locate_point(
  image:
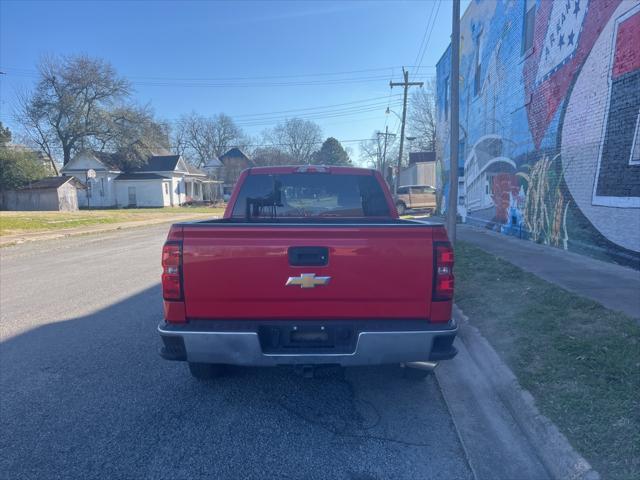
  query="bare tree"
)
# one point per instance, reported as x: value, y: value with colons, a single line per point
x: 422, y: 117
x: 133, y: 134
x: 372, y: 151
x: 69, y: 103
x: 298, y: 138
x: 202, y: 138
x: 179, y: 141
x: 269, y: 156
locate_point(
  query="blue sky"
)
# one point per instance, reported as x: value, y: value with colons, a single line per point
x: 246, y: 59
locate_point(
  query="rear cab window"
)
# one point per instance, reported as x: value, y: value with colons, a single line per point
x: 310, y: 195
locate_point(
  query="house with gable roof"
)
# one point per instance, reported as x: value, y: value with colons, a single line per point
x: 163, y: 181
x: 233, y: 162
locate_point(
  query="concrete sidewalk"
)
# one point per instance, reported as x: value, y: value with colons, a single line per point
x: 613, y: 286
x: 489, y: 407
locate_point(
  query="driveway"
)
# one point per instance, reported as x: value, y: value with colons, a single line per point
x: 84, y: 393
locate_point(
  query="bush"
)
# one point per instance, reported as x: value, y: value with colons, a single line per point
x: 19, y: 167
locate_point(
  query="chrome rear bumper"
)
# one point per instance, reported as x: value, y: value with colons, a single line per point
x: 244, y: 346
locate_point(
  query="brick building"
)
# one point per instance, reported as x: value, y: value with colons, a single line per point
x: 549, y: 122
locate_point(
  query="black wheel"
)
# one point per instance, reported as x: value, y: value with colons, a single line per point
x: 412, y: 373
x: 205, y: 371
x: 401, y: 208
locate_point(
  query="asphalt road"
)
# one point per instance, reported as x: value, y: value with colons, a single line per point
x: 84, y: 394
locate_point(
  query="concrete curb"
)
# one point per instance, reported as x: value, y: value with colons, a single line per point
x: 551, y: 447
x: 62, y: 233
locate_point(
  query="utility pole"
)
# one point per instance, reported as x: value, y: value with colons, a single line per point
x: 452, y: 210
x: 384, y: 149
x: 406, y: 84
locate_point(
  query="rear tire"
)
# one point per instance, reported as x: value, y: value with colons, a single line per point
x: 401, y: 207
x: 205, y: 371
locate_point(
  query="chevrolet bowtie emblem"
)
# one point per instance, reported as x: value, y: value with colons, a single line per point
x: 307, y: 280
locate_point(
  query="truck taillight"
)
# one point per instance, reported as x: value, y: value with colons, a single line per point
x: 172, y: 271
x: 443, y: 278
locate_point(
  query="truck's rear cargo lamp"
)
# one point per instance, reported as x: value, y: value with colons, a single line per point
x: 171, y: 271
x: 444, y: 280
x: 312, y: 169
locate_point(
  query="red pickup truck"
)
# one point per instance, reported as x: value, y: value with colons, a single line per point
x: 310, y: 265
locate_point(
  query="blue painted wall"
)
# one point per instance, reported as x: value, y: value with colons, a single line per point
x: 549, y: 129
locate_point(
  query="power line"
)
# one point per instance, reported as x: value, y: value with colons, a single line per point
x: 269, y: 77
x: 326, y: 111
x: 235, y: 84
x: 265, y: 145
x: 322, y: 107
x: 435, y: 17
x: 426, y: 30
x: 249, y: 81
x: 343, y: 81
x: 270, y: 121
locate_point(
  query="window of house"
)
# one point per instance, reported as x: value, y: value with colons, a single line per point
x: 102, y: 187
x: 166, y: 188
x: 529, y: 22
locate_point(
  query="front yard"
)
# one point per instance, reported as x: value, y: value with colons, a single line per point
x: 17, y: 223
x: 579, y: 360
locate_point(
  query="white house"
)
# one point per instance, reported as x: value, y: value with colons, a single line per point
x: 165, y: 180
x: 213, y: 167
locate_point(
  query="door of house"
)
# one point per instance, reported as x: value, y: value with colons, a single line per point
x: 132, y: 197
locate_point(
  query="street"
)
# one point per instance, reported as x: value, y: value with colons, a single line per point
x: 86, y: 395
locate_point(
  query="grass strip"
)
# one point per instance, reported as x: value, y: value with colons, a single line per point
x: 578, y: 359
x: 25, y: 222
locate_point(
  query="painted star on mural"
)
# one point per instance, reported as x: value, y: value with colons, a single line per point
x: 561, y: 37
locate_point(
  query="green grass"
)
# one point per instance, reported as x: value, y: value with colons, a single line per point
x: 579, y: 360
x: 12, y: 223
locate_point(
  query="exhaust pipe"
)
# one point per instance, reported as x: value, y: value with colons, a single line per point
x: 428, y: 366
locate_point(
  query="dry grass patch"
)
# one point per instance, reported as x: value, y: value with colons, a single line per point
x: 15, y: 223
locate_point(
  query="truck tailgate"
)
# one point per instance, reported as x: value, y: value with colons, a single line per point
x: 241, y: 272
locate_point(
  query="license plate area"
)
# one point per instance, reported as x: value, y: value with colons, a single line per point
x: 310, y: 337
x: 300, y: 339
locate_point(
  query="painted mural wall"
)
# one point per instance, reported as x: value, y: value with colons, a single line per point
x: 549, y: 122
